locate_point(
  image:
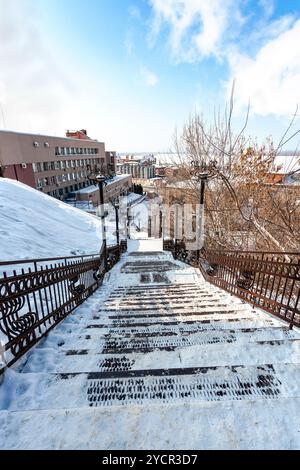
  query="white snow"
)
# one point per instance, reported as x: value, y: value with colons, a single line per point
x: 205, y: 426
x: 58, y: 416
x: 88, y: 190
x: 94, y: 187
x: 145, y: 245
x: 34, y: 225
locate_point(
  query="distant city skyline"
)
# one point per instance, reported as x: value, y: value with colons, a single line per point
x: 132, y: 71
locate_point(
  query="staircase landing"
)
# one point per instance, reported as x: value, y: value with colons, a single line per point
x: 157, y: 358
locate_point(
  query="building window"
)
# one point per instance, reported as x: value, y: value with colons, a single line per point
x: 36, y: 144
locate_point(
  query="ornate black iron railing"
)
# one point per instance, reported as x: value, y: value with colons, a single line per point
x: 36, y: 295
x: 268, y: 280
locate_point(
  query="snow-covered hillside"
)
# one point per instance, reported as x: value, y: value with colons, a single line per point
x: 34, y: 225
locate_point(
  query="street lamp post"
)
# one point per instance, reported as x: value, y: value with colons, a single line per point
x: 202, y: 172
x: 203, y: 180
x: 100, y: 180
x: 116, y: 204
x: 117, y: 222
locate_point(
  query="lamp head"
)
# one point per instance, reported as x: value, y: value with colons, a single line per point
x: 97, y: 178
x: 100, y: 178
x: 203, y: 170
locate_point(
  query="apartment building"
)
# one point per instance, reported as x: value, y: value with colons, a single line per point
x: 138, y: 170
x: 139, y: 167
x: 111, y: 159
x: 119, y: 185
x: 55, y: 165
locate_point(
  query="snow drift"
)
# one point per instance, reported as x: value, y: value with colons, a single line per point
x: 34, y: 225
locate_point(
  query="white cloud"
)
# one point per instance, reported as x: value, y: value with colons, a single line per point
x: 197, y: 27
x: 150, y: 78
x: 268, y: 6
x: 135, y: 12
x: 46, y: 88
x: 30, y: 79
x: 271, y: 79
x: 129, y: 44
x: 268, y: 76
x: 267, y: 30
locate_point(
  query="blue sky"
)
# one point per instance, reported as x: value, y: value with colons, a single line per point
x: 130, y: 71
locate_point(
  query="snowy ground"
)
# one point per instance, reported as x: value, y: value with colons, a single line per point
x: 232, y: 425
x: 34, y: 225
x: 41, y: 411
x: 131, y: 199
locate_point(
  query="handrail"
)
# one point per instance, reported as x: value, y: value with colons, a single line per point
x: 283, y: 253
x: 268, y: 280
x: 43, y: 260
x: 38, y: 297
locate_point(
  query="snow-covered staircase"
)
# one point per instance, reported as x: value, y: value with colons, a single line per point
x: 156, y: 341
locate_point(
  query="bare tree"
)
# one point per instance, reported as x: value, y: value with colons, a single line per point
x: 243, y: 211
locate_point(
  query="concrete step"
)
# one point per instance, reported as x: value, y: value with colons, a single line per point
x: 179, y: 332
x: 163, y: 296
x: 230, y: 316
x: 165, y: 307
x: 139, y: 387
x: 163, y: 340
x: 165, y: 312
x: 132, y: 356
x: 211, y: 312
x: 240, y: 425
x: 132, y: 267
x: 183, y: 325
x: 170, y: 303
x: 155, y: 288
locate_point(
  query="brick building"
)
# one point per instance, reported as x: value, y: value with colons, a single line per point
x: 55, y: 165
